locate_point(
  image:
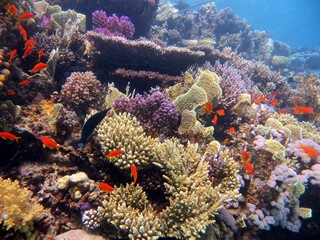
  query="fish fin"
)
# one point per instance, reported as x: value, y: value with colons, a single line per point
x: 43, y: 145
x: 17, y: 139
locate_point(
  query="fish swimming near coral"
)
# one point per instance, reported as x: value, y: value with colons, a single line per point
x: 10, y: 136
x: 50, y: 143
x: 26, y: 16
x: 134, y: 173
x: 313, y: 153
x: 115, y: 153
x: 12, y: 55
x: 24, y: 82
x: 106, y: 187
x: 38, y: 67
x: 89, y: 126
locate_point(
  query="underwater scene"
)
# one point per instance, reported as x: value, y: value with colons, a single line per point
x: 154, y: 119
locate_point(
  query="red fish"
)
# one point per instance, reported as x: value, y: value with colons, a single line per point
x: 207, y: 108
x: 30, y: 43
x: 10, y: 136
x: 134, y: 173
x: 282, y: 111
x: 11, y: 92
x: 106, y: 187
x: 226, y: 141
x: 23, y: 32
x: 249, y: 168
x: 11, y: 9
x: 302, y: 110
x: 215, y: 120
x: 38, y: 67
x: 24, y: 82
x: 50, y: 143
x: 221, y: 112
x: 40, y: 54
x: 115, y: 153
x: 27, y: 52
x: 12, y: 55
x: 310, y: 151
x: 245, y: 156
x: 231, y: 130
x: 260, y: 99
x: 274, y: 102
x: 26, y: 16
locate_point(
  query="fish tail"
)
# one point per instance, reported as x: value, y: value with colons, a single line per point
x: 17, y: 139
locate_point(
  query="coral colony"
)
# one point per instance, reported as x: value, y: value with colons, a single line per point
x: 134, y: 120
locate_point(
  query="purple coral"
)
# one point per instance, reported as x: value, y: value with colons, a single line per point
x: 155, y: 112
x: 82, y: 90
x: 112, y: 26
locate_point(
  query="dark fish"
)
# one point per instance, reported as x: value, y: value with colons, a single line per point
x: 90, y: 125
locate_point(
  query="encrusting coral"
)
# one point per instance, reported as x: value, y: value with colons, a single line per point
x: 18, y: 210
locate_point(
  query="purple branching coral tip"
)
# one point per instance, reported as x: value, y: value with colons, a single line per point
x: 154, y: 112
x: 112, y: 26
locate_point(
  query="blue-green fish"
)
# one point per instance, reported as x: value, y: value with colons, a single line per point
x: 90, y: 125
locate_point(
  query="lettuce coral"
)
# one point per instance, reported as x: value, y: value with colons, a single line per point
x: 18, y: 210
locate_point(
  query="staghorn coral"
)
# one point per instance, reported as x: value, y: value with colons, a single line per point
x: 122, y: 131
x: 82, y: 90
x: 113, y: 25
x: 18, y: 210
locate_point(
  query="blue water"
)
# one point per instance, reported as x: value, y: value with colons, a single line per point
x: 296, y: 22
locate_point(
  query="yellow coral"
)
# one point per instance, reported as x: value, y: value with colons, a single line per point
x: 121, y: 131
x: 17, y: 208
x: 277, y: 150
x: 209, y: 82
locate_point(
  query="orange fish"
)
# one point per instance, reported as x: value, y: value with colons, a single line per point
x: 27, y: 52
x: 106, y: 187
x: 310, y: 151
x: 274, y: 93
x: 245, y: 156
x: 40, y: 54
x: 10, y: 136
x: 231, y: 130
x: 12, y: 55
x: 11, y: 9
x: 134, y: 173
x: 49, y: 143
x: 23, y: 32
x: 11, y: 92
x: 302, y: 110
x: 274, y: 102
x: 282, y: 111
x: 207, y: 108
x: 215, y: 120
x: 220, y: 112
x: 115, y: 153
x: 226, y: 141
x: 24, y: 82
x: 26, y: 16
x: 249, y: 168
x: 30, y: 43
x: 38, y: 67
x: 260, y: 99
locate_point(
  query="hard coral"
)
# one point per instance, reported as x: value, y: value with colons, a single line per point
x: 18, y: 210
x: 82, y: 90
x: 112, y: 26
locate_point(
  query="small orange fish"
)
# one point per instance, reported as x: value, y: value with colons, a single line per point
x: 38, y: 67
x: 30, y: 43
x: 245, y: 156
x: 134, y: 173
x: 274, y: 93
x: 310, y: 151
x: 11, y: 92
x: 24, y: 82
x: 12, y: 55
x: 106, y: 187
x: 221, y: 112
x: 11, y: 9
x: 40, y: 54
x: 274, y: 102
x: 10, y: 136
x: 282, y: 111
x: 23, y: 32
x: 215, y: 120
x: 26, y: 16
x: 231, y: 130
x: 115, y: 153
x: 302, y: 110
x: 207, y: 108
x: 226, y: 141
x: 260, y: 99
x: 249, y: 168
x: 27, y: 52
x: 50, y: 143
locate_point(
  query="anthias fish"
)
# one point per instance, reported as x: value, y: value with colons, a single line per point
x: 90, y: 125
x: 134, y: 173
x: 49, y: 143
x: 38, y: 67
x: 10, y: 136
x: 106, y: 187
x: 115, y: 153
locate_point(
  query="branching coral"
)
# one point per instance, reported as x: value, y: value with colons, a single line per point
x: 18, y: 210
